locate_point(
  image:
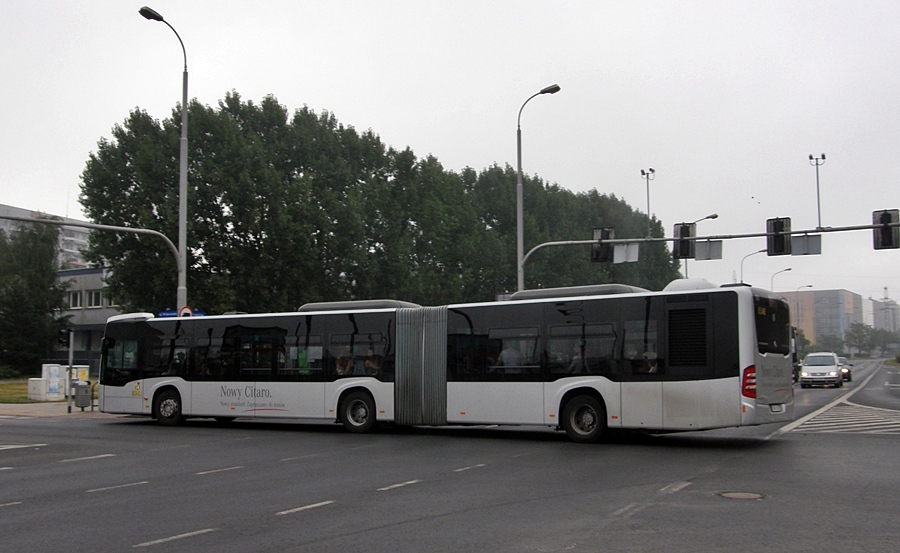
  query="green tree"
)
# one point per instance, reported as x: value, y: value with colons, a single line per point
x: 290, y: 208
x: 882, y: 338
x: 830, y: 342
x: 802, y: 344
x: 859, y: 336
x: 30, y: 296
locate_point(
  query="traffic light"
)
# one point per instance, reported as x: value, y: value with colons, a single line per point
x: 886, y: 237
x: 602, y: 252
x: 778, y: 241
x: 683, y: 248
x: 62, y: 337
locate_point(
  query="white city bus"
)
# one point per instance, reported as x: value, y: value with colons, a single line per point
x: 581, y: 359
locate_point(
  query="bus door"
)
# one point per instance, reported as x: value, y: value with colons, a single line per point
x: 279, y: 367
x: 641, y: 367
x: 494, y: 367
x: 120, y: 377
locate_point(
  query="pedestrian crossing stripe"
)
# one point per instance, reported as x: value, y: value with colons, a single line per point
x: 853, y: 419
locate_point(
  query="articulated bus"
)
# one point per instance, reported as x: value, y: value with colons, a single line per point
x: 583, y: 360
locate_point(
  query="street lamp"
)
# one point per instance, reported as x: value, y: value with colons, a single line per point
x: 817, y: 161
x: 520, y: 215
x: 745, y: 257
x: 181, y: 293
x: 648, y: 176
x: 711, y: 216
x: 772, y: 280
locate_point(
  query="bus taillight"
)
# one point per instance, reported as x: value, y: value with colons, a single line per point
x: 748, y: 382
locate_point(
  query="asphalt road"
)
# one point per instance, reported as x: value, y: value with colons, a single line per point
x: 123, y: 483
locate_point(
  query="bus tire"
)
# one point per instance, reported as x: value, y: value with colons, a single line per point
x: 167, y: 408
x: 584, y: 419
x: 358, y: 412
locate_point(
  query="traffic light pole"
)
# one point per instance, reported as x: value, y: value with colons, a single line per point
x: 69, y: 223
x: 704, y: 238
x: 69, y: 377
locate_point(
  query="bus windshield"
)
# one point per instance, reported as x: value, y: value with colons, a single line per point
x: 773, y: 325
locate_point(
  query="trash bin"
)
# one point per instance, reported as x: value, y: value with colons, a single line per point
x: 82, y: 394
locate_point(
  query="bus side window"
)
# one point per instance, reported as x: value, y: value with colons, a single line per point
x: 581, y: 349
x: 642, y: 357
x: 514, y: 352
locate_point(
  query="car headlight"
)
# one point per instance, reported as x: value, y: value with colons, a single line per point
x: 804, y: 373
x: 833, y: 373
x: 845, y: 370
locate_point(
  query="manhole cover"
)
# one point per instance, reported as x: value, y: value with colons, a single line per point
x: 742, y: 495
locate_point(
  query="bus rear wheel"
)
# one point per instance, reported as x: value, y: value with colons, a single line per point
x: 584, y: 419
x: 358, y: 412
x: 167, y: 408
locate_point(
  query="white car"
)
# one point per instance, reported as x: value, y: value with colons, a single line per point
x: 821, y: 369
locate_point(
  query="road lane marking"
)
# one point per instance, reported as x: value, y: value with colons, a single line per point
x: 10, y: 504
x: 178, y: 537
x: 117, y: 487
x: 217, y: 470
x: 395, y: 486
x: 304, y: 508
x: 674, y: 487
x: 4, y: 447
x: 842, y: 398
x: 852, y: 418
x: 629, y: 510
x: 301, y: 457
x: 470, y: 468
x: 88, y: 458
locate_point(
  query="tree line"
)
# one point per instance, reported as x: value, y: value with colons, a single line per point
x: 31, y: 297
x: 288, y: 208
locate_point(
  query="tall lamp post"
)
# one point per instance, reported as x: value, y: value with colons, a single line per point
x: 648, y: 176
x: 181, y: 295
x: 772, y: 280
x: 520, y: 210
x: 710, y: 216
x: 817, y: 161
x: 745, y: 257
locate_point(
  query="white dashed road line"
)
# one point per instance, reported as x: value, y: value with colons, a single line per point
x: 395, y: 486
x: 304, y: 508
x: 118, y: 487
x: 217, y: 470
x: 469, y: 468
x: 178, y: 537
x: 674, y: 487
x: 88, y: 458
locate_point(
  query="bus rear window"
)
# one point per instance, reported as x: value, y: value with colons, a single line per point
x: 773, y: 325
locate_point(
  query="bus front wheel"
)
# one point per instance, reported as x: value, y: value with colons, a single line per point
x: 167, y: 408
x: 358, y: 412
x: 584, y: 419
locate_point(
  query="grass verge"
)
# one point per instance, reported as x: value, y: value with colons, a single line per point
x: 14, y: 391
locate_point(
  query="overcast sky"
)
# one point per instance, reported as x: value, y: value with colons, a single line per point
x: 725, y: 100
